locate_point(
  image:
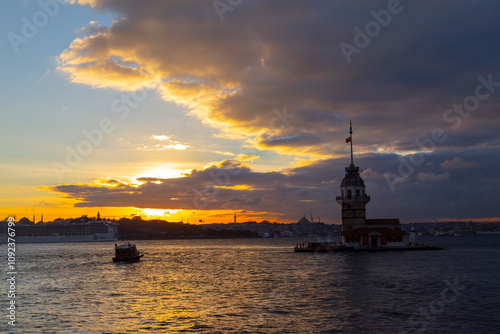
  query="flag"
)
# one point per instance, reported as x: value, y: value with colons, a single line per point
x: 348, y: 140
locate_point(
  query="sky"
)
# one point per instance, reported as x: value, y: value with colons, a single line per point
x: 196, y: 110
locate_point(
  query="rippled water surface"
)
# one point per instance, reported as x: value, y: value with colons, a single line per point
x: 256, y: 286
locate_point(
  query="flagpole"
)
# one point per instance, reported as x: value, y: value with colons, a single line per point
x: 350, y: 132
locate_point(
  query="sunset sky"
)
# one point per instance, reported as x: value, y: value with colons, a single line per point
x: 199, y: 109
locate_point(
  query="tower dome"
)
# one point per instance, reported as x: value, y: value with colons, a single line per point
x: 352, y: 177
x: 352, y: 186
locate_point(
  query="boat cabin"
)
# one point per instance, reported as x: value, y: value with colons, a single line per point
x: 126, y: 253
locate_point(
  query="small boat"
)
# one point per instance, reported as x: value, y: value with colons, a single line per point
x: 127, y: 253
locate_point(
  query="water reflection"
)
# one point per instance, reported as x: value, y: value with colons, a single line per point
x: 227, y: 286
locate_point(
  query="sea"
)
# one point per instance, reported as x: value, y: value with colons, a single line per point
x: 253, y: 286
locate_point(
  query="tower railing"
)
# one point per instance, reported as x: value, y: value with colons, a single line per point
x: 352, y: 197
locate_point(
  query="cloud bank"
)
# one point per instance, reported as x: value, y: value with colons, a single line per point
x: 429, y: 194
x: 275, y: 75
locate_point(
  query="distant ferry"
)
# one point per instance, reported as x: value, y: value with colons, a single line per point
x: 64, y: 232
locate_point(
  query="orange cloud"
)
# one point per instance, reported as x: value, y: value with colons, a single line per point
x: 91, y: 62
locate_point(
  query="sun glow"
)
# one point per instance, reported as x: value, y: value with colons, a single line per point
x: 159, y: 213
x: 154, y: 212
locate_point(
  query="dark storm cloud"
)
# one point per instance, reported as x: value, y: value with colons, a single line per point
x: 266, y: 55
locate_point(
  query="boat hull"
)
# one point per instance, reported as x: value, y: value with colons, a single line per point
x: 63, y: 232
x: 66, y: 238
x: 129, y: 259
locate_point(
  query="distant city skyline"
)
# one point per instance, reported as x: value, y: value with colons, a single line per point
x: 189, y: 109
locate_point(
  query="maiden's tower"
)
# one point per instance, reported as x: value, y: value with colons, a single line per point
x: 357, y: 230
x: 359, y: 233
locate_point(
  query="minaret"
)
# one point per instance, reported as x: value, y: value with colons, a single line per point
x: 352, y: 197
x: 98, y: 216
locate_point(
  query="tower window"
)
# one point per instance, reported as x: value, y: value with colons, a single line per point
x: 349, y: 194
x: 357, y: 192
